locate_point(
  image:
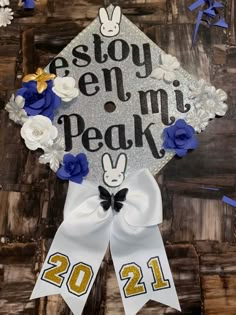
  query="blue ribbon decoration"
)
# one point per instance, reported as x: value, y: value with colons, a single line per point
x: 229, y: 201
x: 29, y: 4
x: 211, y: 12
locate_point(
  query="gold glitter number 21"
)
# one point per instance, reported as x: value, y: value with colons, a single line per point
x: 133, y: 272
x: 133, y: 286
x: 79, y: 278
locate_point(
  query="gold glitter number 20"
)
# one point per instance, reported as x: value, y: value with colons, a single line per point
x: 133, y: 272
x: 79, y: 278
x: 60, y: 265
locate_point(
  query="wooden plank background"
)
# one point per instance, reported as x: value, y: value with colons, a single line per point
x: 198, y: 229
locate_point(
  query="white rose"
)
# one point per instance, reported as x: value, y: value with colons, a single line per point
x: 65, y: 88
x: 38, y: 132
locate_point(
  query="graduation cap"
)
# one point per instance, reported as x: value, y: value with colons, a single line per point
x: 130, y: 91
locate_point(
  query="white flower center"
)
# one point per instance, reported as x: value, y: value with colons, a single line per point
x: 66, y: 86
x: 37, y: 132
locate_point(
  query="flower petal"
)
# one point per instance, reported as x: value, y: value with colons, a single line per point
x: 169, y: 144
x: 41, y: 86
x: 181, y: 152
x: 170, y: 61
x: 157, y: 73
x: 63, y: 174
x: 191, y: 144
x: 39, y: 71
x: 20, y: 101
x: 68, y: 158
x: 222, y: 95
x: 169, y: 76
x: 77, y: 179
x: 170, y: 131
x: 29, y: 77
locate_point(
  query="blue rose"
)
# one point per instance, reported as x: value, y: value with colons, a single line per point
x: 36, y: 103
x: 180, y: 137
x: 74, y: 168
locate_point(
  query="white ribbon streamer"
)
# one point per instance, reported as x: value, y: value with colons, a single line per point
x: 137, y: 249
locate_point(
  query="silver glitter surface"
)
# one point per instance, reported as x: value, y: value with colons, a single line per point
x: 91, y: 108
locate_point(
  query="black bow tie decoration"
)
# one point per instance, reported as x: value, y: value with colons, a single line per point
x: 111, y: 200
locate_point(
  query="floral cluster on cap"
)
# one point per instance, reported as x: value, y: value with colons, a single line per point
x: 207, y: 102
x: 34, y: 107
x: 42, y: 93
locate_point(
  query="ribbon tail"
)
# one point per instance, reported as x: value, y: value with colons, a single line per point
x: 171, y: 298
x: 72, y: 263
x: 76, y: 253
x: 72, y: 303
x: 134, y: 308
x: 40, y: 291
x: 141, y: 266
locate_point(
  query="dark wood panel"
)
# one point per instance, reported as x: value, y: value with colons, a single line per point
x: 17, y: 278
x: 218, y: 277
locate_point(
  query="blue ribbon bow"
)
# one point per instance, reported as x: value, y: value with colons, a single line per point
x: 211, y: 12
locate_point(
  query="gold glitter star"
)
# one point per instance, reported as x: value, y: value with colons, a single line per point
x: 41, y: 77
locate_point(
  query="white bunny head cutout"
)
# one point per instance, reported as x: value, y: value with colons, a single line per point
x: 110, y: 27
x: 114, y: 176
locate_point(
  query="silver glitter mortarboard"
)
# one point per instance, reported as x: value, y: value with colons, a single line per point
x: 89, y: 58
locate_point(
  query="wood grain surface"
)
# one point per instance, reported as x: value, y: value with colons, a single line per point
x: 198, y: 228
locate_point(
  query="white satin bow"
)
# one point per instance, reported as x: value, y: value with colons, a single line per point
x: 135, y: 241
